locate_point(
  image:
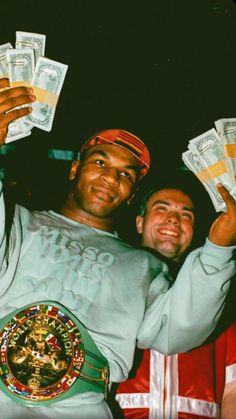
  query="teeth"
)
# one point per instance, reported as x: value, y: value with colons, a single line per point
x: 169, y: 233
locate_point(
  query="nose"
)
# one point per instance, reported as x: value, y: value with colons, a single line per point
x: 110, y: 175
x: 173, y: 218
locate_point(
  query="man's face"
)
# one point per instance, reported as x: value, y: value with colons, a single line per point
x: 103, y: 180
x: 168, y: 223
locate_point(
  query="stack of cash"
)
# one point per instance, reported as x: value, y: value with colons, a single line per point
x: 25, y: 65
x: 212, y: 158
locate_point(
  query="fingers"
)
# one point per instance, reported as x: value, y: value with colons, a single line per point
x: 14, y: 92
x: 10, y: 98
x: 11, y: 116
x: 226, y: 196
x: 12, y: 102
x: 13, y: 97
x: 4, y: 82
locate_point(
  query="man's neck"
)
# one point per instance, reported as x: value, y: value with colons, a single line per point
x: 173, y: 265
x: 105, y: 224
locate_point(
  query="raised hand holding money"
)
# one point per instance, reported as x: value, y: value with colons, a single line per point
x: 11, y: 98
x: 46, y: 78
x: 223, y: 230
x: 207, y: 160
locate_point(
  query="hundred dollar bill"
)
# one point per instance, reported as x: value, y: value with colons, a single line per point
x: 16, y: 130
x: 226, y: 129
x: 3, y: 60
x: 47, y: 82
x: 192, y: 161
x: 210, y: 150
x: 20, y: 66
x: 35, y: 41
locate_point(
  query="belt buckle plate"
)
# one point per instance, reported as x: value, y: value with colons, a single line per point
x: 41, y: 353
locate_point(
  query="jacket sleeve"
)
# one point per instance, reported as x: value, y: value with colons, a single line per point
x: 183, y: 316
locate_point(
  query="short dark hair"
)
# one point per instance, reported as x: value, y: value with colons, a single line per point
x: 187, y: 183
x: 148, y: 195
x: 143, y: 205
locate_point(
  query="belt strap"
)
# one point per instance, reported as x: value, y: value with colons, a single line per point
x: 47, y: 354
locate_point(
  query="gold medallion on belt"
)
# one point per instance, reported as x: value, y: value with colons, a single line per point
x: 41, y: 353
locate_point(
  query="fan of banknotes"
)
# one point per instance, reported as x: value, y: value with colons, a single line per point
x: 26, y: 66
x: 212, y: 158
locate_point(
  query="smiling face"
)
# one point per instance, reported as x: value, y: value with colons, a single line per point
x: 103, y: 180
x: 167, y: 225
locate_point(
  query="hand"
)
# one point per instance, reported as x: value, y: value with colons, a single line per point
x: 9, y: 99
x: 223, y: 230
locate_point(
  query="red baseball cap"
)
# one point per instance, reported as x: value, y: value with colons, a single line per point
x: 123, y: 139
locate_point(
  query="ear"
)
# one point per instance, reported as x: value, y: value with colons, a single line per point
x: 139, y: 224
x: 74, y: 169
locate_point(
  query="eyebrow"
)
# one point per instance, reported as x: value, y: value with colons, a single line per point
x: 102, y: 153
x: 159, y: 201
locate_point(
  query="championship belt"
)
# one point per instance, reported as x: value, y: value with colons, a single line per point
x: 46, y: 355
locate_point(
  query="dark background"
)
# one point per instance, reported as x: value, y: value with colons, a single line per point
x: 164, y: 70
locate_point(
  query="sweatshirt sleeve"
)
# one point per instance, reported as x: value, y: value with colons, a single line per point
x: 183, y: 316
x: 2, y: 229
x: 10, y: 245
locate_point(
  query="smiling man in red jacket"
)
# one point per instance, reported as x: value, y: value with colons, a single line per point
x: 196, y: 384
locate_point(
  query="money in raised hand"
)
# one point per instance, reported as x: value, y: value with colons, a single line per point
x: 206, y: 157
x: 194, y: 164
x: 16, y: 130
x: 35, y: 41
x: 20, y: 69
x: 11, y: 101
x: 3, y: 60
x: 47, y: 82
x: 226, y: 129
x: 20, y: 66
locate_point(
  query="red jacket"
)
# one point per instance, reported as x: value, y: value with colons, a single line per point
x: 181, y: 386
